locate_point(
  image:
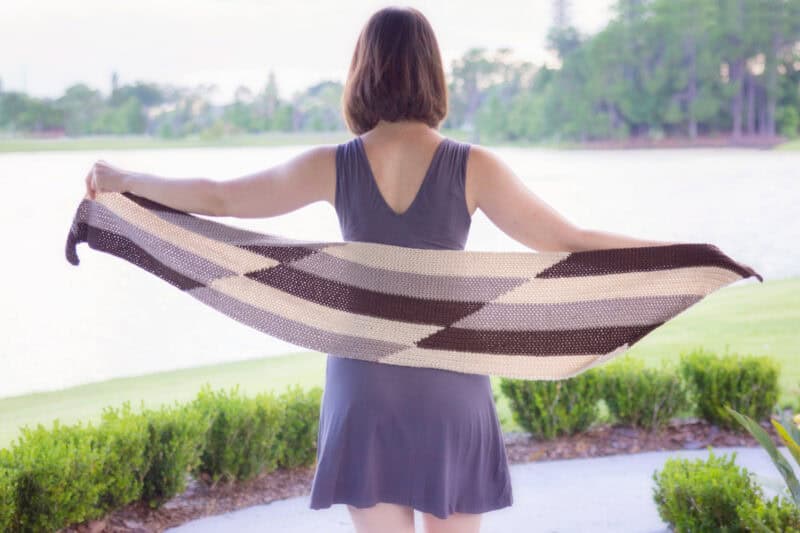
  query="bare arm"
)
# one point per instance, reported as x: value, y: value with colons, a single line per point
x: 528, y: 219
x: 303, y: 179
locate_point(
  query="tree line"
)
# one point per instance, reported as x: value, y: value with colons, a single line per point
x: 659, y: 68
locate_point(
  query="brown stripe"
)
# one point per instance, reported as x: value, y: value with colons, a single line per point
x: 120, y: 246
x: 345, y: 297
x: 639, y: 259
x: 320, y: 316
x: 284, y: 254
x: 150, y: 204
x: 548, y: 342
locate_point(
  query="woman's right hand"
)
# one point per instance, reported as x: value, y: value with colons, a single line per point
x: 104, y: 177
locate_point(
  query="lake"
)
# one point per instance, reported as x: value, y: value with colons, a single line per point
x: 64, y: 325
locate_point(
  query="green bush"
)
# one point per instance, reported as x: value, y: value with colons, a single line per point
x: 122, y: 436
x: 717, y: 495
x: 242, y: 434
x: 642, y: 397
x: 58, y: 477
x: 703, y: 495
x: 547, y: 409
x: 297, y: 436
x: 53, y: 478
x: 7, y: 491
x: 175, y: 438
x: 777, y: 514
x: 748, y: 384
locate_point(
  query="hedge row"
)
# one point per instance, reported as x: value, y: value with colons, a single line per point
x: 52, y: 478
x: 645, y: 397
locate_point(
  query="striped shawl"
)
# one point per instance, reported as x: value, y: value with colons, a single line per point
x: 526, y: 315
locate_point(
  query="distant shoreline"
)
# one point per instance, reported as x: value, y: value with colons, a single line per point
x: 761, y: 142
x: 268, y: 139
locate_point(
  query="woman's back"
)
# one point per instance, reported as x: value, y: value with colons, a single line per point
x: 424, y: 437
x: 437, y: 217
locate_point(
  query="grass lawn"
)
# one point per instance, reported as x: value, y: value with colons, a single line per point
x: 759, y: 319
x: 270, y: 138
x: 789, y: 145
x: 147, y: 142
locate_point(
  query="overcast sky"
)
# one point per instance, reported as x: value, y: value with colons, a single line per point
x: 47, y: 45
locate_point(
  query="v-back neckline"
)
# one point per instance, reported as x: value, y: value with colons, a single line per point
x: 425, y: 178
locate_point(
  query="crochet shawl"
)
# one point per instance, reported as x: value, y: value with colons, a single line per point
x: 525, y: 315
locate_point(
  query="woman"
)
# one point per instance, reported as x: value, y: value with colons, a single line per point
x: 393, y: 438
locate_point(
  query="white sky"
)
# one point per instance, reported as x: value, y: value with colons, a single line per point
x: 47, y: 45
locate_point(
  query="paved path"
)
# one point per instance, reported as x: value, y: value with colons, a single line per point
x: 605, y: 494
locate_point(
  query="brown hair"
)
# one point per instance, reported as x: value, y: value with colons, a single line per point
x: 396, y: 72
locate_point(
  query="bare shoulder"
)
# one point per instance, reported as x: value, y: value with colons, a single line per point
x: 483, y: 166
x: 315, y: 167
x: 482, y: 159
x: 321, y: 153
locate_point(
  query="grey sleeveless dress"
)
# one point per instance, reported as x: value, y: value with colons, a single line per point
x: 423, y: 437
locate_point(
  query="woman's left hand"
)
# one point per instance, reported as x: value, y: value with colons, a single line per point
x: 104, y: 177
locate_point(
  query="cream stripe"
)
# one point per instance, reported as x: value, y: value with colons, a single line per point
x: 236, y: 259
x: 679, y: 281
x: 440, y: 262
x: 549, y: 367
x: 320, y: 316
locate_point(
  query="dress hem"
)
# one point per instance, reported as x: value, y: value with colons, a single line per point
x: 501, y: 504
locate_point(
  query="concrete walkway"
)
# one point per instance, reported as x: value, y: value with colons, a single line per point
x: 606, y: 494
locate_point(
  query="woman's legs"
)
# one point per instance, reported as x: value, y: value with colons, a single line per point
x: 383, y: 518
x: 454, y: 523
x: 393, y: 518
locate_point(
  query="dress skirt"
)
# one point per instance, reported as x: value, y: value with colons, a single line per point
x: 423, y: 437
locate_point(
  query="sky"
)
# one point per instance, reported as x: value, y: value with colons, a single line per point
x: 48, y: 45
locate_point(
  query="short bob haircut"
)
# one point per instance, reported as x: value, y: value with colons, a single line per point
x: 396, y: 72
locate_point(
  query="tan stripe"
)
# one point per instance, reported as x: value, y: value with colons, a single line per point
x: 548, y: 367
x: 446, y: 262
x: 320, y: 316
x: 680, y: 281
x: 225, y: 255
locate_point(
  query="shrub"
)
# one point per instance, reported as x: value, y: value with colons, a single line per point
x: 241, y: 438
x: 122, y: 437
x: 698, y: 495
x: 642, y: 397
x: 547, y: 409
x: 7, y: 491
x: 175, y: 438
x: 777, y: 514
x: 748, y: 384
x: 53, y: 478
x: 58, y: 477
x: 297, y: 435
